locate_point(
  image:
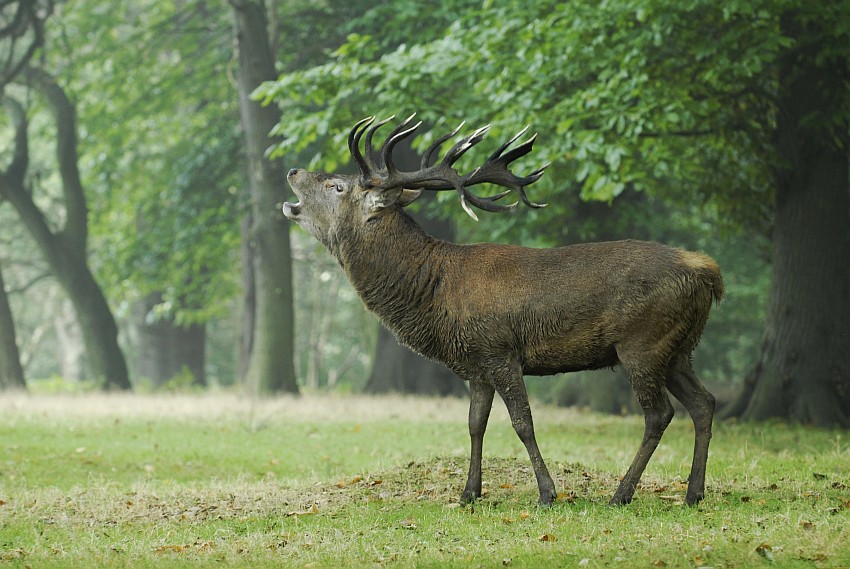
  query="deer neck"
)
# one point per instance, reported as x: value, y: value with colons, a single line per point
x: 395, y: 268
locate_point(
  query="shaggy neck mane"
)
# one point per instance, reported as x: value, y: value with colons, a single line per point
x: 392, y: 264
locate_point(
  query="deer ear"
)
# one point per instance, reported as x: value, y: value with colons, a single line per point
x: 408, y: 197
x: 378, y: 199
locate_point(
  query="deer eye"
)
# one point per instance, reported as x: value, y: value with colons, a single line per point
x: 335, y: 187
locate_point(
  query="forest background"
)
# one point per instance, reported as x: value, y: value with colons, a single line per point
x: 144, y: 144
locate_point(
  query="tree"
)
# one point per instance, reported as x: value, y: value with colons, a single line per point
x: 11, y: 372
x: 801, y: 373
x: 271, y: 366
x: 692, y: 101
x: 65, y: 248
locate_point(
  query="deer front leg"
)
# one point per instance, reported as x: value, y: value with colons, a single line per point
x: 515, y: 397
x: 480, y: 404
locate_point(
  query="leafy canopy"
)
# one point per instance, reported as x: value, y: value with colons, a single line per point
x: 677, y: 99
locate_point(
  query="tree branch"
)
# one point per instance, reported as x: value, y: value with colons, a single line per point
x: 20, y: 156
x: 76, y: 224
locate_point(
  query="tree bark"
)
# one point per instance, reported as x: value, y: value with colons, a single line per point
x: 65, y: 249
x: 70, y: 339
x: 11, y: 371
x: 165, y: 350
x: 803, y: 373
x: 271, y: 366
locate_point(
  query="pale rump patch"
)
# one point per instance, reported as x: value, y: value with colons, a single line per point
x: 698, y: 261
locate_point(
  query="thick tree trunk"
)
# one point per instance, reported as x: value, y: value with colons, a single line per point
x: 167, y: 351
x: 249, y: 299
x: 11, y: 371
x: 271, y: 367
x: 100, y: 332
x: 803, y: 373
x: 70, y: 338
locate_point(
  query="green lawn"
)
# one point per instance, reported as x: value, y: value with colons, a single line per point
x: 225, y: 481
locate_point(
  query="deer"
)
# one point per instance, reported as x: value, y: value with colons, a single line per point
x: 494, y: 313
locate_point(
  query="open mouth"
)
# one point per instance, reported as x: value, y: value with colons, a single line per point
x: 291, y: 210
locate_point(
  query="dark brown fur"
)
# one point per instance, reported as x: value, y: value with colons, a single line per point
x: 493, y: 313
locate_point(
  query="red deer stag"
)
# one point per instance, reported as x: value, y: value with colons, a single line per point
x: 493, y: 313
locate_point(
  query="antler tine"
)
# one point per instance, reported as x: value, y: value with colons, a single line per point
x: 369, y: 152
x: 397, y: 136
x: 459, y: 149
x: 520, y: 150
x: 502, y: 148
x: 395, y: 131
x: 426, y: 158
x: 528, y: 202
x: 486, y: 204
x: 354, y: 146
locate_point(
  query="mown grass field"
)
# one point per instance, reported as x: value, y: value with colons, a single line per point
x: 226, y: 481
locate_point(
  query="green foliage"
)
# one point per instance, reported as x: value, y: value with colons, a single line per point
x: 679, y: 100
x: 161, y: 147
x: 95, y: 481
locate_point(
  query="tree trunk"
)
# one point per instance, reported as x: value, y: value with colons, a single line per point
x: 11, y: 371
x: 100, y: 332
x: 167, y: 351
x: 249, y: 299
x: 72, y: 349
x: 803, y: 373
x: 271, y: 367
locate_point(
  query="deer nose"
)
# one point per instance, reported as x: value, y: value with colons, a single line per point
x: 292, y: 172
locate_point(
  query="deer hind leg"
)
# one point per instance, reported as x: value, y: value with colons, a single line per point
x: 658, y: 412
x: 684, y: 385
x: 480, y: 404
x: 511, y: 389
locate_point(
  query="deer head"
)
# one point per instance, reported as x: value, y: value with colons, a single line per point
x: 327, y: 202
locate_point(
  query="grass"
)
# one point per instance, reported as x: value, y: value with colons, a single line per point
x: 223, y: 481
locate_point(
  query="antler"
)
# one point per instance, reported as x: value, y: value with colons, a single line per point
x: 442, y: 175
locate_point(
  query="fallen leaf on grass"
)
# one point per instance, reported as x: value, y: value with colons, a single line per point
x: 524, y: 515
x: 409, y: 523
x: 314, y: 509
x: 677, y: 500
x: 170, y: 549
x: 568, y: 497
x: 344, y: 483
x: 766, y: 551
x: 548, y: 537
